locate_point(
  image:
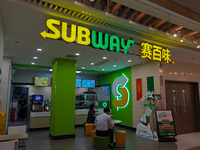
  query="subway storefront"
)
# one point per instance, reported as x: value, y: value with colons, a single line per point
x: 95, y: 58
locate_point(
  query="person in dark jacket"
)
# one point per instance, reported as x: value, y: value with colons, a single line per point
x: 91, y: 112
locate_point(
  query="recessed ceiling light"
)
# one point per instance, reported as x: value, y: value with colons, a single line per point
x: 50, y: 69
x: 92, y: 63
x: 78, y: 71
x: 91, y: 0
x: 103, y: 69
x: 181, y: 40
x: 35, y: 57
x: 83, y: 67
x: 129, y: 60
x: 77, y: 54
x: 104, y: 57
x: 33, y: 63
x: 174, y: 35
x: 114, y: 65
x: 39, y: 49
x: 198, y: 46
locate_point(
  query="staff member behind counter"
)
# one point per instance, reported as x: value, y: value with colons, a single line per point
x: 101, y: 123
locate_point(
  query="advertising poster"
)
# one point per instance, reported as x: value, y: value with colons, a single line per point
x: 165, y: 123
x: 139, y: 88
x: 145, y: 124
x: 42, y: 81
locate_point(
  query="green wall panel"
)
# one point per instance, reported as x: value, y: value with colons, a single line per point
x: 124, y: 114
x: 63, y: 97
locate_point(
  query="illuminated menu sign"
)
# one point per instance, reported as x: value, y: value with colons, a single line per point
x: 88, y: 83
x: 78, y: 82
x: 85, y: 83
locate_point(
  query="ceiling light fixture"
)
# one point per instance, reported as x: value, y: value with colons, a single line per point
x: 103, y: 69
x: 175, y: 35
x: 39, y: 49
x: 50, y: 69
x: 83, y: 67
x: 104, y: 57
x: 181, y: 40
x: 33, y: 63
x: 114, y: 65
x: 129, y: 60
x: 198, y: 46
x: 92, y: 63
x: 35, y: 57
x: 77, y: 54
x: 78, y: 71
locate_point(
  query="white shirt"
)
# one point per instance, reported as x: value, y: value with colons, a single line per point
x: 102, y: 121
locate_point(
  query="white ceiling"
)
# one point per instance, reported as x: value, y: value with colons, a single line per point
x: 22, y: 25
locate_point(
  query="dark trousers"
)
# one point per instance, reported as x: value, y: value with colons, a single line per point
x: 109, y: 133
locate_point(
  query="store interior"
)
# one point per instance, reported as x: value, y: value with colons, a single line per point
x: 36, y: 90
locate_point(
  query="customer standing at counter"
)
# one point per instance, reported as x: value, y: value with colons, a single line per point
x: 101, y: 123
x: 91, y: 112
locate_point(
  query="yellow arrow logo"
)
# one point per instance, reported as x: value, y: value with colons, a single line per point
x: 55, y: 32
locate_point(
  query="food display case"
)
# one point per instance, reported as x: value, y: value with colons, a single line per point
x: 86, y: 99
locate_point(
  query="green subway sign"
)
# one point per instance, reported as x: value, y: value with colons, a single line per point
x: 83, y: 36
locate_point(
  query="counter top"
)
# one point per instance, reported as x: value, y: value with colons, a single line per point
x: 85, y: 111
x: 40, y: 114
x: 13, y: 137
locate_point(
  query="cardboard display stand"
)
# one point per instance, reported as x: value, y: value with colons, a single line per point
x: 166, y: 126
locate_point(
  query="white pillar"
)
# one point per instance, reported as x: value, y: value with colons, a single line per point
x: 5, y: 83
x: 1, y: 56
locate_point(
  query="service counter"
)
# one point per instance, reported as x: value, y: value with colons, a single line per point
x: 39, y: 120
x: 81, y: 115
x: 42, y: 119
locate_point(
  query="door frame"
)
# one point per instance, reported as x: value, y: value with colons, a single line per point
x: 197, y: 99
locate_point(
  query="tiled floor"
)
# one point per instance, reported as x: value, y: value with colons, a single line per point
x: 40, y: 140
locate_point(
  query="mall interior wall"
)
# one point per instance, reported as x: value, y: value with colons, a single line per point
x: 27, y: 77
x: 143, y: 71
x: 123, y: 114
x: 180, y: 71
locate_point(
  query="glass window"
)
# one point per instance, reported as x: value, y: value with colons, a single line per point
x: 184, y: 100
x: 174, y: 101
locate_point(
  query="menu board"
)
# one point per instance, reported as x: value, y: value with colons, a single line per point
x: 165, y: 123
x: 88, y: 83
x: 42, y: 81
x: 78, y: 82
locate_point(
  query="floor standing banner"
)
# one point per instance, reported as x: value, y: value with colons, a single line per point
x: 165, y: 125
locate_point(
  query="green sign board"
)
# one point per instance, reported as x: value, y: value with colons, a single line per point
x: 104, y: 104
